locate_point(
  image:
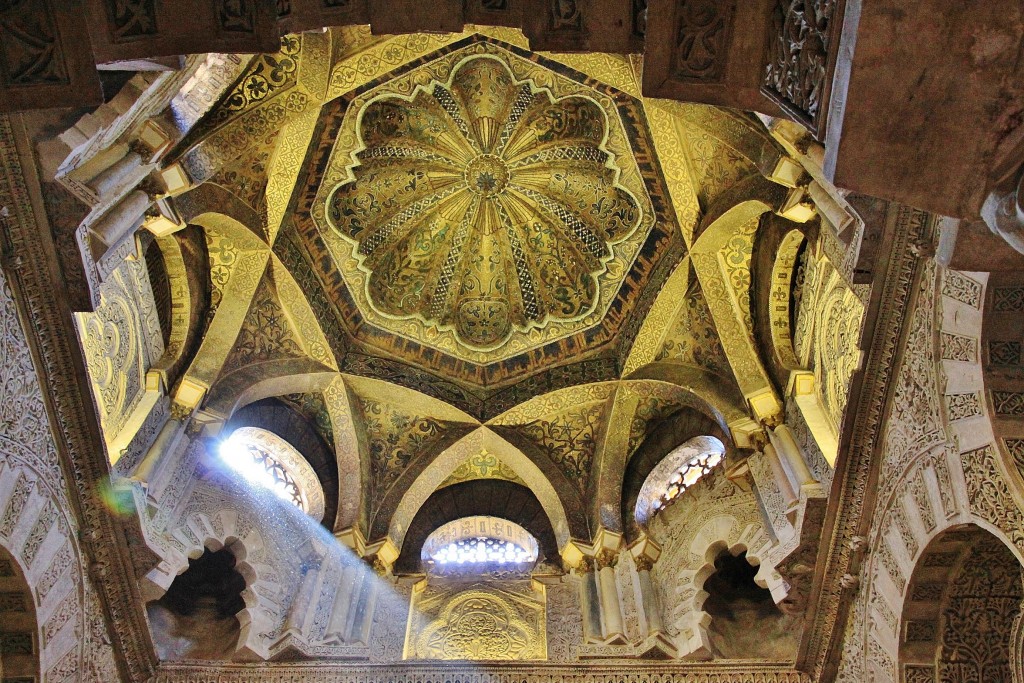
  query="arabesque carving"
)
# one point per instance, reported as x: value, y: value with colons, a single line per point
x: 798, y: 55
x: 499, y: 621
x: 702, y: 37
x: 983, y: 601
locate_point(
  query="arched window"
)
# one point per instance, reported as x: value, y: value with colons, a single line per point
x: 679, y: 470
x: 479, y: 544
x: 266, y: 460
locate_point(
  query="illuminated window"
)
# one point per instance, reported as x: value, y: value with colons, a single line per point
x: 687, y: 476
x: 678, y: 471
x: 269, y: 462
x: 479, y: 543
x: 482, y: 549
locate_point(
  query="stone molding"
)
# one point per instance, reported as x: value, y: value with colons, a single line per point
x: 906, y: 230
x: 442, y: 673
x: 28, y: 255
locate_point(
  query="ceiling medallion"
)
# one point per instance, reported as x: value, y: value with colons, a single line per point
x: 488, y: 203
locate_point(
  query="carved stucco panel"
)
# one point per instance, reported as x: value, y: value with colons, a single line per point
x: 49, y: 551
x: 485, y: 619
x: 564, y: 620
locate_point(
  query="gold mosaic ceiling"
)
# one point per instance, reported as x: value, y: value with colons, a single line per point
x: 461, y: 216
x: 486, y: 206
x: 484, y: 211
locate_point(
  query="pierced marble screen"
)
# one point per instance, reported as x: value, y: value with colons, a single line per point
x: 679, y: 470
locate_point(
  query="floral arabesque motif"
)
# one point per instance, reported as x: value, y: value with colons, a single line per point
x: 484, y: 206
x: 478, y: 625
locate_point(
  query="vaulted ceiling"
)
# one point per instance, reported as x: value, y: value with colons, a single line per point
x: 461, y: 216
x: 444, y: 258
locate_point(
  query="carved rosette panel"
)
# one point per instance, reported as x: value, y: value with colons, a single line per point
x: 30, y: 52
x: 483, y: 620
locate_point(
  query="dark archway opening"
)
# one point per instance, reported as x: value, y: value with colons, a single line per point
x: 19, y: 646
x: 962, y: 609
x: 745, y: 621
x: 195, y: 618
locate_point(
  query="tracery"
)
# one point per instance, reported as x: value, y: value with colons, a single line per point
x: 268, y: 461
x: 479, y: 543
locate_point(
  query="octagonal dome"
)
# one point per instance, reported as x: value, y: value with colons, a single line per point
x: 458, y: 182
x: 483, y: 204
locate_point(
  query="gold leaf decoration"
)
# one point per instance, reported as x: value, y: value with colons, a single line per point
x: 484, y: 465
x: 694, y: 339
x: 484, y: 205
x: 266, y: 332
x: 569, y: 439
x: 395, y: 438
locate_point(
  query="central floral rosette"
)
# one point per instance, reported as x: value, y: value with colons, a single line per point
x: 485, y: 205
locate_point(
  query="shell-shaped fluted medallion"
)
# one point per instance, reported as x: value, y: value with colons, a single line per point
x: 484, y: 205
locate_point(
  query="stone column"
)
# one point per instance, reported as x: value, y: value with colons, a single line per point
x: 785, y: 443
x: 361, y: 614
x: 165, y: 442
x: 781, y: 476
x: 171, y: 467
x: 589, y: 605
x: 652, y: 608
x: 303, y: 604
x: 344, y: 597
x: 611, y: 614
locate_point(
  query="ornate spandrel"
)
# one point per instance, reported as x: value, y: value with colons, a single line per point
x: 485, y: 205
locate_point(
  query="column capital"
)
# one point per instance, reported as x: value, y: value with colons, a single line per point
x: 645, y: 552
x: 380, y: 554
x: 585, y: 566
x: 643, y: 563
x: 758, y: 440
x: 606, y: 558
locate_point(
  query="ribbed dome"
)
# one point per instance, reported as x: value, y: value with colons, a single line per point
x: 485, y: 205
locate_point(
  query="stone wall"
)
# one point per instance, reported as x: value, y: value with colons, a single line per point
x: 38, y: 527
x: 941, y: 469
